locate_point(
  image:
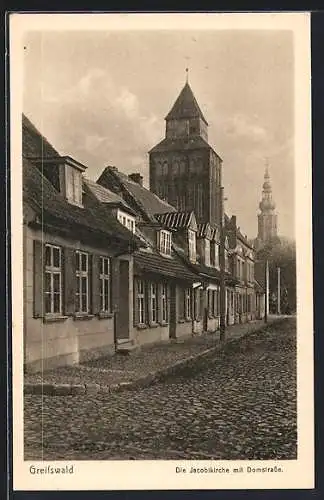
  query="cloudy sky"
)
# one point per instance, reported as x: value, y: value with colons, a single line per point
x: 101, y: 97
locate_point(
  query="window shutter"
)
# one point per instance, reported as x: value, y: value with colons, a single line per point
x: 69, y: 280
x: 149, y: 301
x: 159, y: 302
x: 115, y: 284
x: 94, y: 260
x: 38, y: 279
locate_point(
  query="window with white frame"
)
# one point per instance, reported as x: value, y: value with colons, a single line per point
x: 126, y: 220
x: 226, y: 260
x: 188, y: 303
x: 82, y: 282
x: 105, y: 284
x: 164, y: 310
x: 216, y: 249
x: 73, y: 182
x: 207, y: 252
x: 140, y: 297
x: 165, y: 242
x: 192, y: 245
x: 53, y: 280
x: 153, y: 298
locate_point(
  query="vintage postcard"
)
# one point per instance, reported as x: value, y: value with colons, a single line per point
x: 161, y: 251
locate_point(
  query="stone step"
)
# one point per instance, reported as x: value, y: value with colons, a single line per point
x: 126, y: 348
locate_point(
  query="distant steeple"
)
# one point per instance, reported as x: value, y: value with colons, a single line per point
x: 267, y: 219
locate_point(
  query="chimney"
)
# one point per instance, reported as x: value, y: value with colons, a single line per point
x: 112, y: 168
x: 233, y: 221
x: 136, y: 177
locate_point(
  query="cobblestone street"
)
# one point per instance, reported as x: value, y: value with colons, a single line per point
x: 240, y: 404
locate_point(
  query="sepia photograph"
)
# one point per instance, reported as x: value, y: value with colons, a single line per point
x: 159, y: 248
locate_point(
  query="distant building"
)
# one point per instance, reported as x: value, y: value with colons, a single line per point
x: 267, y: 218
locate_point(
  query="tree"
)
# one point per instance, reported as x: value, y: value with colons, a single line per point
x: 281, y: 253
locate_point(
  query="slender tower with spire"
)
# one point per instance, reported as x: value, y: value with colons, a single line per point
x: 267, y: 218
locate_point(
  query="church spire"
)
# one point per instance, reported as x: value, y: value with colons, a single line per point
x: 267, y: 219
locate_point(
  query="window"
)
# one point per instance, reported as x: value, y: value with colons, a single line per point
x: 164, y: 310
x: 165, y: 169
x: 73, y: 180
x: 216, y: 249
x: 165, y: 242
x: 182, y: 167
x: 198, y: 199
x: 126, y: 221
x: 162, y: 191
x: 53, y: 280
x: 188, y: 303
x: 192, y: 245
x: 181, y: 202
x: 226, y: 260
x: 105, y: 284
x: 153, y: 308
x: 207, y: 252
x: 175, y: 168
x: 82, y: 287
x: 141, y: 302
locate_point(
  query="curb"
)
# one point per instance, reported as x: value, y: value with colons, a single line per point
x: 144, y: 381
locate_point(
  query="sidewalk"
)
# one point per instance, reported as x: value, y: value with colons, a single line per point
x: 142, y: 368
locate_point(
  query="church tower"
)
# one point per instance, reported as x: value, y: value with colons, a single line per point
x: 184, y: 169
x: 267, y: 218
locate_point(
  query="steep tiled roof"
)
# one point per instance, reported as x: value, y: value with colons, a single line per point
x: 258, y: 287
x: 106, y: 196
x: 204, y: 230
x: 178, y: 144
x: 154, y: 263
x: 186, y: 106
x: 142, y: 196
x: 175, y: 220
x: 34, y: 144
x: 49, y: 203
x: 204, y: 271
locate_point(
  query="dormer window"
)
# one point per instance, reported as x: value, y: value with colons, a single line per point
x: 165, y: 242
x: 192, y: 245
x: 126, y: 220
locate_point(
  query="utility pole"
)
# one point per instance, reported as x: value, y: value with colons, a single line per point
x: 278, y: 293
x: 222, y: 268
x: 266, y: 305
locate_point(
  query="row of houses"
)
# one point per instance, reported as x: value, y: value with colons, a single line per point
x: 109, y: 265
